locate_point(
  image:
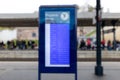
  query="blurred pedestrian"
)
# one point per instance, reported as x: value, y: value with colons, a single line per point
x: 103, y: 44
x: 88, y: 44
x: 82, y: 44
x: 109, y: 45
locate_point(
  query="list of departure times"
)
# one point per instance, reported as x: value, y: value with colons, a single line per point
x: 57, y: 43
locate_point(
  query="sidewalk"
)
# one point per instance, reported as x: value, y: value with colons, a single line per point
x: 29, y: 71
x: 86, y: 71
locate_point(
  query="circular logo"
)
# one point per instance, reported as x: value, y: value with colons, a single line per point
x: 64, y: 15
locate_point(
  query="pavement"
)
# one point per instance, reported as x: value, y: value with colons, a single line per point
x: 29, y: 71
x: 18, y: 71
x: 111, y: 71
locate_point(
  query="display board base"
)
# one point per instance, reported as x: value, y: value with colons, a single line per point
x: 57, y: 76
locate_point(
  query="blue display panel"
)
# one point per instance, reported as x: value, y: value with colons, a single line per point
x: 57, y: 39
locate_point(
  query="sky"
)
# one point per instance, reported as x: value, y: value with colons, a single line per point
x: 31, y: 6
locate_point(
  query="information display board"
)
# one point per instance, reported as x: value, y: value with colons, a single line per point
x: 57, y: 39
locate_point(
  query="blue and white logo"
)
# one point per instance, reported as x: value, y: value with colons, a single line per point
x: 64, y: 16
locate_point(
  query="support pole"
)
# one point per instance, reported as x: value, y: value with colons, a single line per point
x: 98, y: 67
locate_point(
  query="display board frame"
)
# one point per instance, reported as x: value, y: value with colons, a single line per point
x: 73, y: 40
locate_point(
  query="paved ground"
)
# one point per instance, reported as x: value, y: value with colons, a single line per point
x: 18, y: 71
x: 111, y: 71
x: 29, y: 70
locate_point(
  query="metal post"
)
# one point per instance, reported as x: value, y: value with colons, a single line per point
x: 114, y: 35
x: 98, y: 67
x: 114, y: 42
x: 103, y: 25
x: 103, y: 38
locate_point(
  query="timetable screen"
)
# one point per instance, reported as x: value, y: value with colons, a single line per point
x: 57, y: 39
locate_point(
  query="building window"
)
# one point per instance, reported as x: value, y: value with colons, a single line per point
x: 33, y: 34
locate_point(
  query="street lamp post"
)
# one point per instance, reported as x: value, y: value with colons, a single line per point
x: 98, y: 67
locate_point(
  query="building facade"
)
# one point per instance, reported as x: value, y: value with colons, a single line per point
x: 27, y: 33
